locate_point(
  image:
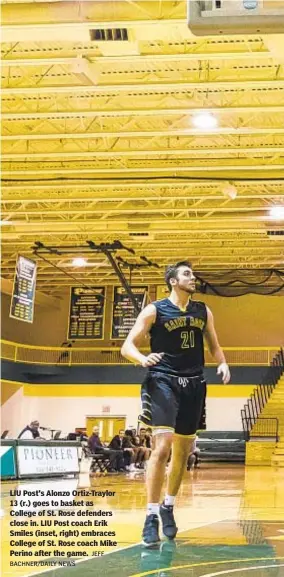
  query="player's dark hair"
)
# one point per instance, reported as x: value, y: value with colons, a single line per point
x: 172, y: 271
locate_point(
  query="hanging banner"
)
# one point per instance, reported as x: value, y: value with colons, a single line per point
x: 86, y: 318
x: 22, y: 302
x: 123, y: 313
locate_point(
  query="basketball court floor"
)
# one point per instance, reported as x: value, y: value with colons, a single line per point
x: 230, y: 521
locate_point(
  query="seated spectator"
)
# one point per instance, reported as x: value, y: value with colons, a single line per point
x: 129, y: 437
x: 129, y: 450
x: 146, y: 438
x: 145, y: 447
x: 193, y: 458
x: 133, y: 441
x: 117, y: 441
x: 96, y: 447
x: 120, y: 442
x: 30, y: 432
x: 139, y: 451
x: 94, y: 441
x: 137, y: 441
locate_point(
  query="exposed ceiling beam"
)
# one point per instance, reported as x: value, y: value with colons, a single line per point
x: 134, y: 198
x: 112, y: 172
x: 147, y: 133
x: 141, y: 210
x: 204, y: 184
x: 219, y: 85
x: 265, y: 150
x: 140, y: 112
x: 151, y: 58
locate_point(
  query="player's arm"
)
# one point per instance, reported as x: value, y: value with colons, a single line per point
x: 135, y: 338
x: 215, y: 349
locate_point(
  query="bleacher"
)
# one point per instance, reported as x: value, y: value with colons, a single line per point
x: 225, y: 446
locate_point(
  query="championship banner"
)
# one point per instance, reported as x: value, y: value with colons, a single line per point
x: 86, y: 317
x: 22, y: 302
x: 123, y: 313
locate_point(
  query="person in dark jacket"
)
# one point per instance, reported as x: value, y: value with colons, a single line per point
x: 132, y: 441
x: 96, y: 447
x: 117, y: 441
x: 122, y: 442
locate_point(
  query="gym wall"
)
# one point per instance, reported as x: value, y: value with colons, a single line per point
x: 250, y: 320
x: 244, y: 321
x: 65, y: 407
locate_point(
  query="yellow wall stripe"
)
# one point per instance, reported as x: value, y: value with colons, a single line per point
x: 77, y: 390
x: 230, y: 390
x: 81, y: 390
x: 220, y: 391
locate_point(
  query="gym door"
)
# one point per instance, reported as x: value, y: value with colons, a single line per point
x: 108, y: 426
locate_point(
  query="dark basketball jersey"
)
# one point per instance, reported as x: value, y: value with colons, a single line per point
x: 179, y: 334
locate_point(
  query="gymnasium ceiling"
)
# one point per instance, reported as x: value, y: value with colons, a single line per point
x: 98, y: 139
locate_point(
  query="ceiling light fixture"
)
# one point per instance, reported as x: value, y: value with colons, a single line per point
x: 79, y: 261
x: 204, y: 120
x: 230, y: 190
x: 277, y: 212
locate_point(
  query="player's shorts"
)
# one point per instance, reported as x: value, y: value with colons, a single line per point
x: 173, y: 402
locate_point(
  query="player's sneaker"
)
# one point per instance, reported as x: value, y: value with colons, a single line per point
x: 168, y: 522
x: 150, y: 533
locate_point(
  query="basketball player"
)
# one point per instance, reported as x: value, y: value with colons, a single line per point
x: 173, y: 392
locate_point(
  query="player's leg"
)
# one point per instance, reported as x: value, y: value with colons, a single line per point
x: 157, y: 464
x: 188, y: 417
x: 181, y: 449
x: 155, y: 475
x: 160, y: 410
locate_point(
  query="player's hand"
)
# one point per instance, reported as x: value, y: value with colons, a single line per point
x: 224, y: 370
x: 152, y: 359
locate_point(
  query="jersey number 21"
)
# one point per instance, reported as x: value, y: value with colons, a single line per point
x: 187, y: 339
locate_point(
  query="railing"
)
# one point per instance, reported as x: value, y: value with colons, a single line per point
x: 257, y: 401
x: 267, y: 428
x: 245, y: 356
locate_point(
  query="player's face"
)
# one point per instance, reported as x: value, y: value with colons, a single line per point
x: 185, y: 280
